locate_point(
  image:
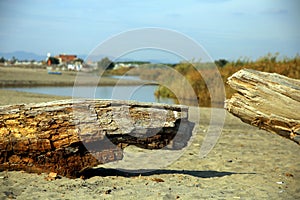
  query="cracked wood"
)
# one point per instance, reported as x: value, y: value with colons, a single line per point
x: 70, y: 135
x: 267, y: 100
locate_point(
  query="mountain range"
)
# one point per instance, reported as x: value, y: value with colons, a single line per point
x: 22, y: 55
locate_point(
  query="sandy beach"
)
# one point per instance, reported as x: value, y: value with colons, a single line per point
x: 246, y: 163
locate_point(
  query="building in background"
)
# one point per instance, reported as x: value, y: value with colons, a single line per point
x: 65, y: 61
x: 64, y: 58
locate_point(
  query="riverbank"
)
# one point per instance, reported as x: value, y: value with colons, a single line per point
x: 14, y: 97
x: 246, y: 163
x: 27, y: 77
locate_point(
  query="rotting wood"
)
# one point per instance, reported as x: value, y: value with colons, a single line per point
x: 70, y: 135
x: 267, y: 100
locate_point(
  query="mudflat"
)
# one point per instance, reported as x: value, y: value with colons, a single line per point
x: 8, y: 97
x: 30, y: 77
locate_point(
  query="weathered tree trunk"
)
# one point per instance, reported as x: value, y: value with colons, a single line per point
x: 267, y: 100
x: 70, y: 135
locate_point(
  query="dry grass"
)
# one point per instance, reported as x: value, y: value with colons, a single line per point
x: 289, y: 67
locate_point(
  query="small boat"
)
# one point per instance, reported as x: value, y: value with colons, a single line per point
x: 56, y: 73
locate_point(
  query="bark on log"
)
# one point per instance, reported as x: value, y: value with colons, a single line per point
x: 70, y: 135
x: 267, y: 100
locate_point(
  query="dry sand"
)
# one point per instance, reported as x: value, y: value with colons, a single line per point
x: 246, y: 163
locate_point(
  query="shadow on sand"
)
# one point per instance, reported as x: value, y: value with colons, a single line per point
x: 88, y: 173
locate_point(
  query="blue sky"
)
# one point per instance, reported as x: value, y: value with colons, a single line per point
x: 227, y: 29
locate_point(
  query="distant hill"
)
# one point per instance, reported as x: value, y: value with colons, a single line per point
x: 23, y: 55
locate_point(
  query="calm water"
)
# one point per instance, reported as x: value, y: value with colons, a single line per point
x: 143, y: 93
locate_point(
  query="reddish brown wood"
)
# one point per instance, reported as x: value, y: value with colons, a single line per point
x: 70, y: 135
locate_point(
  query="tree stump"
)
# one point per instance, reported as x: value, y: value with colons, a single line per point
x: 70, y: 135
x: 267, y: 100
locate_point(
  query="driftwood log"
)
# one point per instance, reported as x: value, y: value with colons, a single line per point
x: 267, y: 100
x: 69, y: 136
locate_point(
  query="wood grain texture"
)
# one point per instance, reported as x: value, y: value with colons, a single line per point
x: 68, y: 136
x: 267, y: 100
